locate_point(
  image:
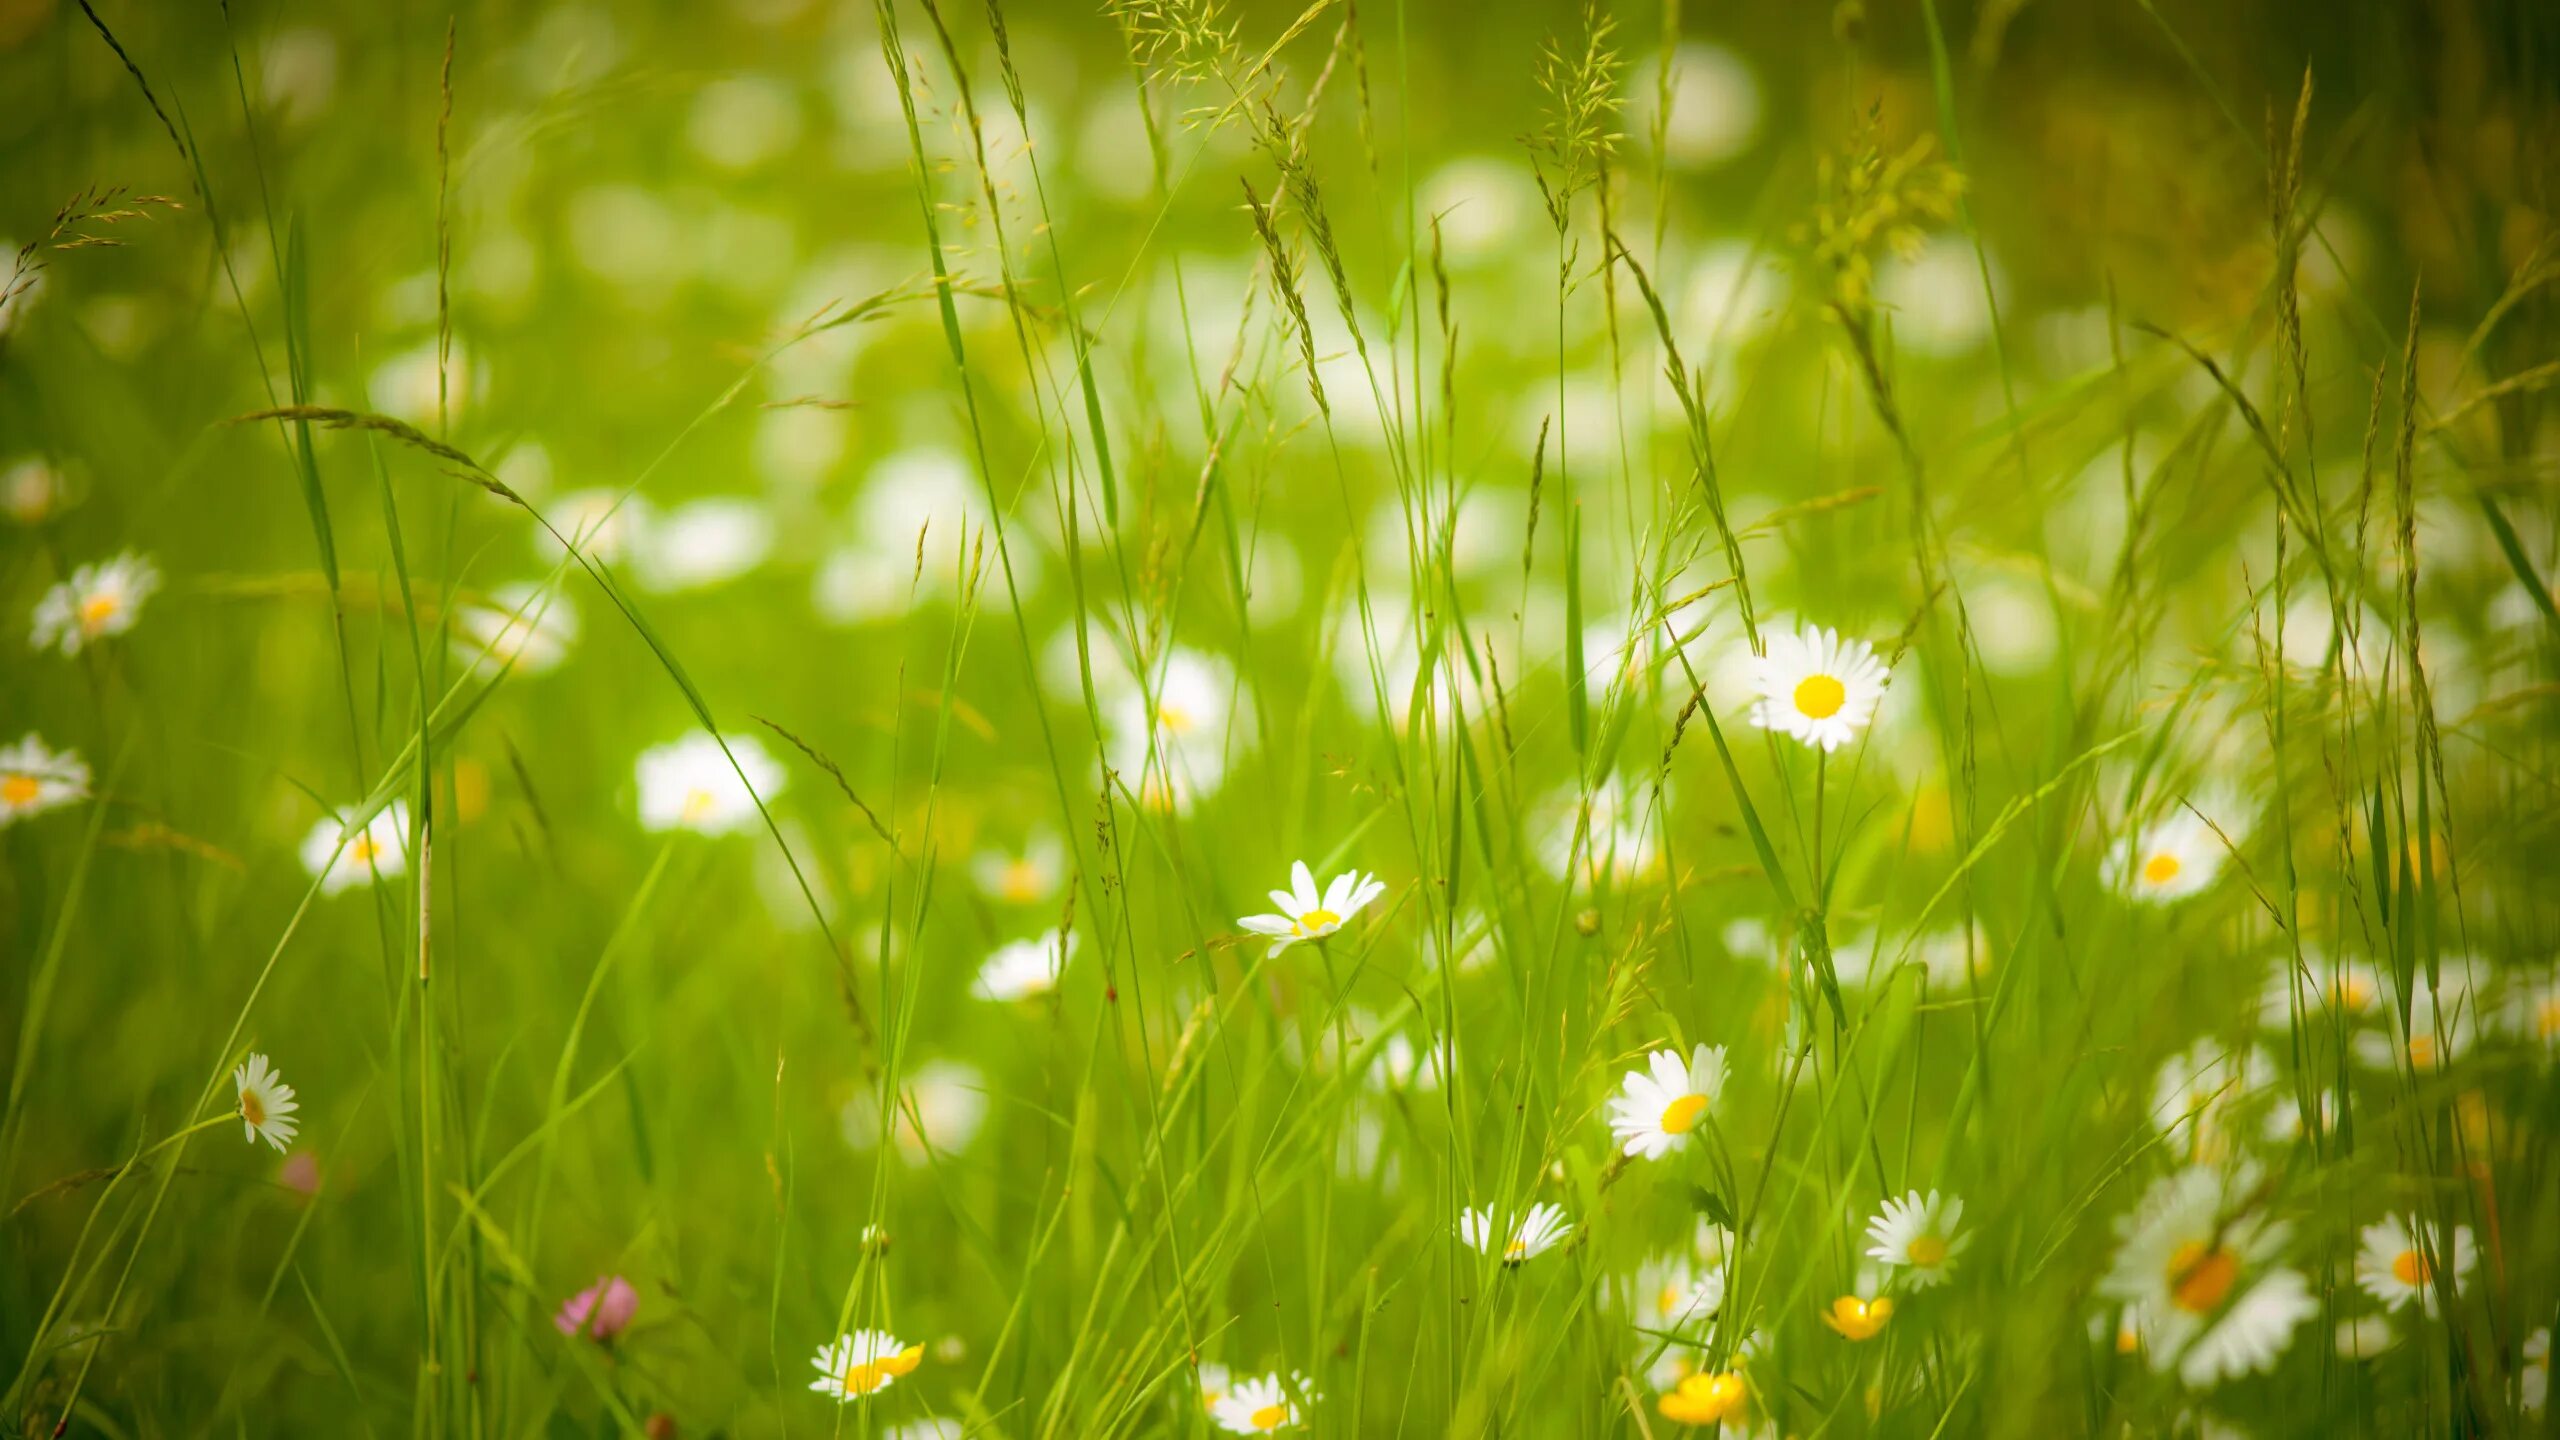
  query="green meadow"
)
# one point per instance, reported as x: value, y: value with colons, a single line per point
x: 1162, y: 718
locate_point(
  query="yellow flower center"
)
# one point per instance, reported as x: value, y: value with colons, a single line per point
x: 1858, y: 1319
x: 97, y: 610
x: 1819, y: 697
x: 1176, y: 718
x: 2200, y: 1278
x: 2353, y: 992
x: 871, y: 1375
x: 1682, y: 1115
x: 1667, y: 1304
x: 361, y: 849
x: 1927, y: 1251
x: 1516, y: 1251
x: 2162, y: 868
x: 1270, y: 1417
x: 697, y: 802
x: 1021, y: 882
x: 1310, y: 921
x: 2410, y: 1268
x: 2422, y: 1052
x: 2546, y: 1018
x: 253, y: 1107
x: 2128, y: 1340
x: 19, y: 790
x: 1703, y: 1399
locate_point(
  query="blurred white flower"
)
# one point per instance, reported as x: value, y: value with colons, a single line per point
x: 1618, y: 839
x: 2178, y: 854
x: 1938, y: 305
x: 2361, y: 1337
x: 34, y: 779
x: 1021, y: 969
x: 1173, y: 752
x: 1715, y: 105
x: 526, y: 626
x: 2442, y: 1019
x: 601, y: 523
x: 298, y: 73
x: 2397, y: 1261
x: 1027, y: 878
x: 690, y: 784
x: 99, y: 600
x: 2198, y: 1265
x: 1482, y: 204
x: 1673, y: 1292
x: 405, y: 385
x: 950, y: 1098
x: 2198, y: 1091
x: 379, y: 848
x: 701, y: 544
x: 32, y: 492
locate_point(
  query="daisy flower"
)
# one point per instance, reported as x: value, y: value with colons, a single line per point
x: 1666, y: 1100
x: 2202, y: 1275
x: 1262, y: 1404
x: 342, y: 858
x: 1917, y: 1233
x: 2396, y: 1262
x: 1673, y: 1293
x: 1855, y: 1318
x: 1540, y: 1231
x: 101, y: 599
x: 863, y: 1363
x: 2174, y: 856
x: 266, y: 1102
x: 1705, y: 1399
x: 34, y: 779
x: 1025, y: 968
x: 1021, y: 879
x: 689, y: 784
x: 1817, y: 687
x: 1305, y: 915
x: 527, y: 627
x: 599, y: 1312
